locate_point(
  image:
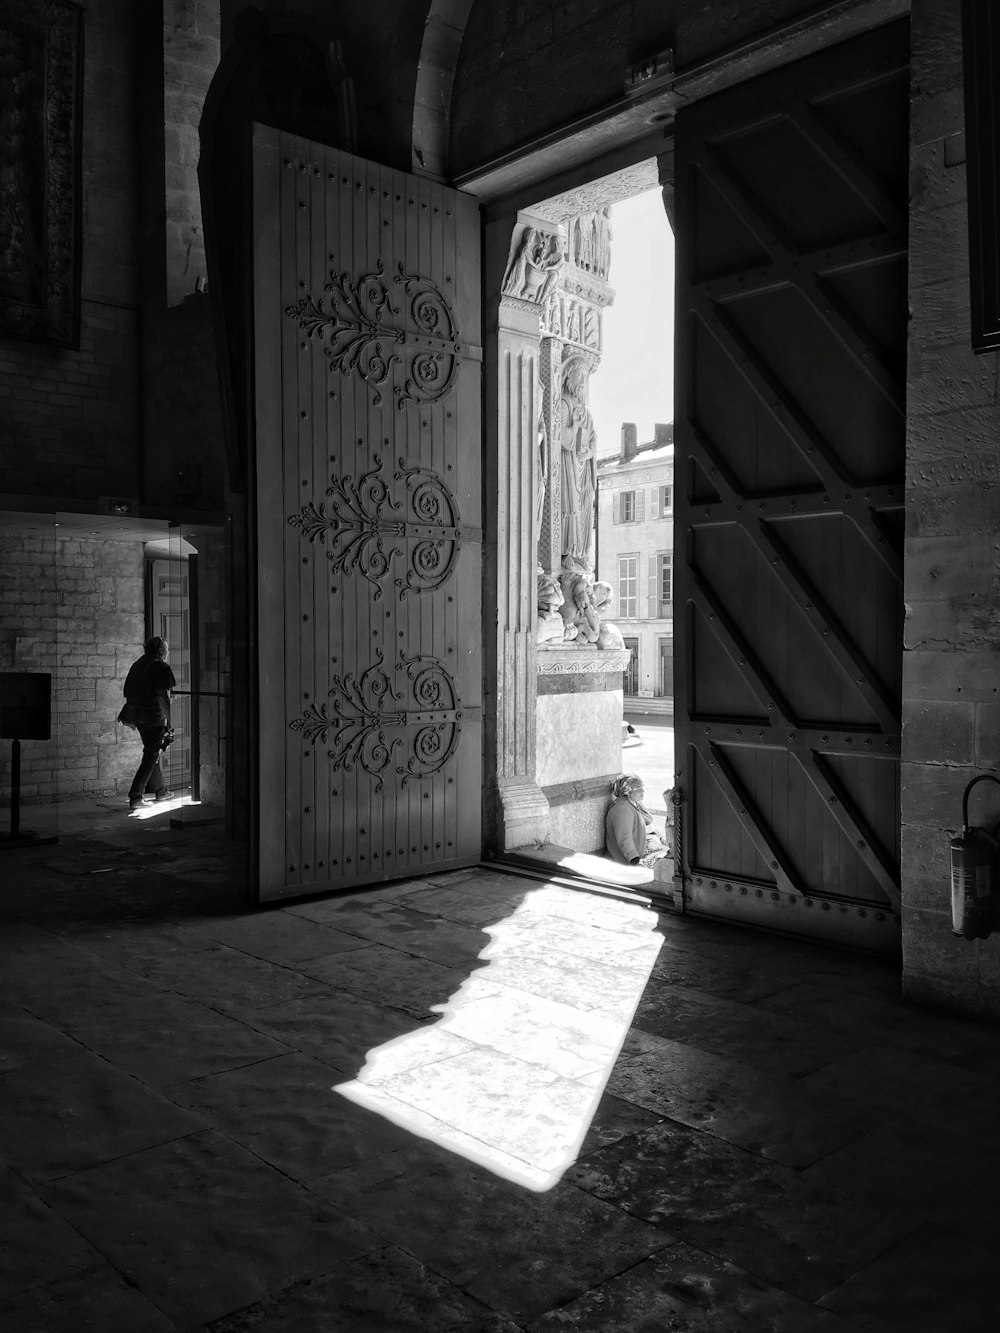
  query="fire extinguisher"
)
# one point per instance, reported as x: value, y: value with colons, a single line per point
x: 973, y: 874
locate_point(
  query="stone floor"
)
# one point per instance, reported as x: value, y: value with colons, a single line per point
x: 469, y: 1104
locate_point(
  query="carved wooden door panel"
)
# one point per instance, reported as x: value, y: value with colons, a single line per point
x: 367, y: 520
x: 791, y: 337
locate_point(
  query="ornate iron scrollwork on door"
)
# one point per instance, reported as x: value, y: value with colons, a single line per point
x: 359, y: 536
x: 363, y: 332
x: 418, y: 719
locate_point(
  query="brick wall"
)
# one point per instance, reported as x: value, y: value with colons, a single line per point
x: 83, y: 600
x: 951, y: 667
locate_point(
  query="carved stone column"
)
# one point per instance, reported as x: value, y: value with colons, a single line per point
x: 550, y: 539
x: 523, y: 258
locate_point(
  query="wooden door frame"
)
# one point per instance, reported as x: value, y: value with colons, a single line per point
x: 614, y: 143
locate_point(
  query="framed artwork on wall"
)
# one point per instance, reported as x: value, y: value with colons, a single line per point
x: 41, y: 49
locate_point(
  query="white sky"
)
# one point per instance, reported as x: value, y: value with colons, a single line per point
x: 635, y: 380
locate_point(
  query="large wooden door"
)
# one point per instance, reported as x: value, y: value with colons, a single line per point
x: 367, y: 520
x: 791, y: 354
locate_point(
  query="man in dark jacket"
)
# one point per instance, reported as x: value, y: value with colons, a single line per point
x: 147, y: 699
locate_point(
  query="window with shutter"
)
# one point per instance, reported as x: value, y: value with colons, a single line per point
x: 666, y: 501
x: 652, y: 589
x: 665, y: 584
x: 628, y: 586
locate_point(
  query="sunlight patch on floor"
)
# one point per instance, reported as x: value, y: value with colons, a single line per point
x: 153, y: 808
x: 512, y: 1073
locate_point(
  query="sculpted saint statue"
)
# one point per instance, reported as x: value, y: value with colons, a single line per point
x: 578, y: 466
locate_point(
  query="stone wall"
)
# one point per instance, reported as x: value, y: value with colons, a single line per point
x: 951, y: 665
x: 83, y: 600
x: 566, y: 59
x: 184, y: 454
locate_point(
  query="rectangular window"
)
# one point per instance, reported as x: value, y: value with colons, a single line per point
x: 628, y: 586
x: 666, y: 501
x: 628, y: 506
x: 665, y: 584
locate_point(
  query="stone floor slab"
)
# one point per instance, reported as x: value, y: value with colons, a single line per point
x: 385, y: 1290
x: 286, y: 1112
x: 72, y: 1112
x: 881, y: 1022
x: 202, y: 1228
x: 25, y: 1039
x: 558, y: 1037
x: 227, y: 979
x: 885, y: 1077
x: 684, y: 1290
x: 755, y: 1214
x: 519, y: 1251
x: 335, y: 1026
x: 598, y: 987
x: 930, y: 1281
x: 100, y: 1302
x: 477, y: 903
x: 278, y: 936
x: 389, y: 977
x: 169, y: 1038
x: 769, y: 1041
x: 401, y: 926
x: 764, y: 1113
x: 36, y: 1245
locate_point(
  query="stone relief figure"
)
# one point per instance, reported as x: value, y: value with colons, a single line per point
x: 534, y: 269
x: 577, y: 466
x: 552, y: 320
x: 609, y: 636
x: 551, y: 626
x: 582, y: 623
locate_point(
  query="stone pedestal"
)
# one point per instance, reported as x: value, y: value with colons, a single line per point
x: 578, y: 729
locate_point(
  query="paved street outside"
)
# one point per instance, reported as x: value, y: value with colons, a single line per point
x: 653, y: 760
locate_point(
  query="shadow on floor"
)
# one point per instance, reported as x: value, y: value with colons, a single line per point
x: 771, y: 1139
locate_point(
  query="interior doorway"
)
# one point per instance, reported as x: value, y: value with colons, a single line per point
x: 168, y: 590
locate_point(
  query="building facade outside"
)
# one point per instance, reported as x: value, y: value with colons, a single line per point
x: 635, y: 542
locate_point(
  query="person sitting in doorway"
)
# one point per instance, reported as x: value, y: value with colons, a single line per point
x: 147, y: 709
x: 630, y: 834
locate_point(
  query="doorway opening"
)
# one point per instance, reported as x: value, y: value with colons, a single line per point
x: 605, y: 521
x: 82, y: 593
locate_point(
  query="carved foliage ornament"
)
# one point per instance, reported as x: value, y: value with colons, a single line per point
x: 410, y: 720
x: 360, y: 536
x: 370, y: 325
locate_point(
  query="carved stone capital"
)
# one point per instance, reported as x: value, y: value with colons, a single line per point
x: 566, y: 659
